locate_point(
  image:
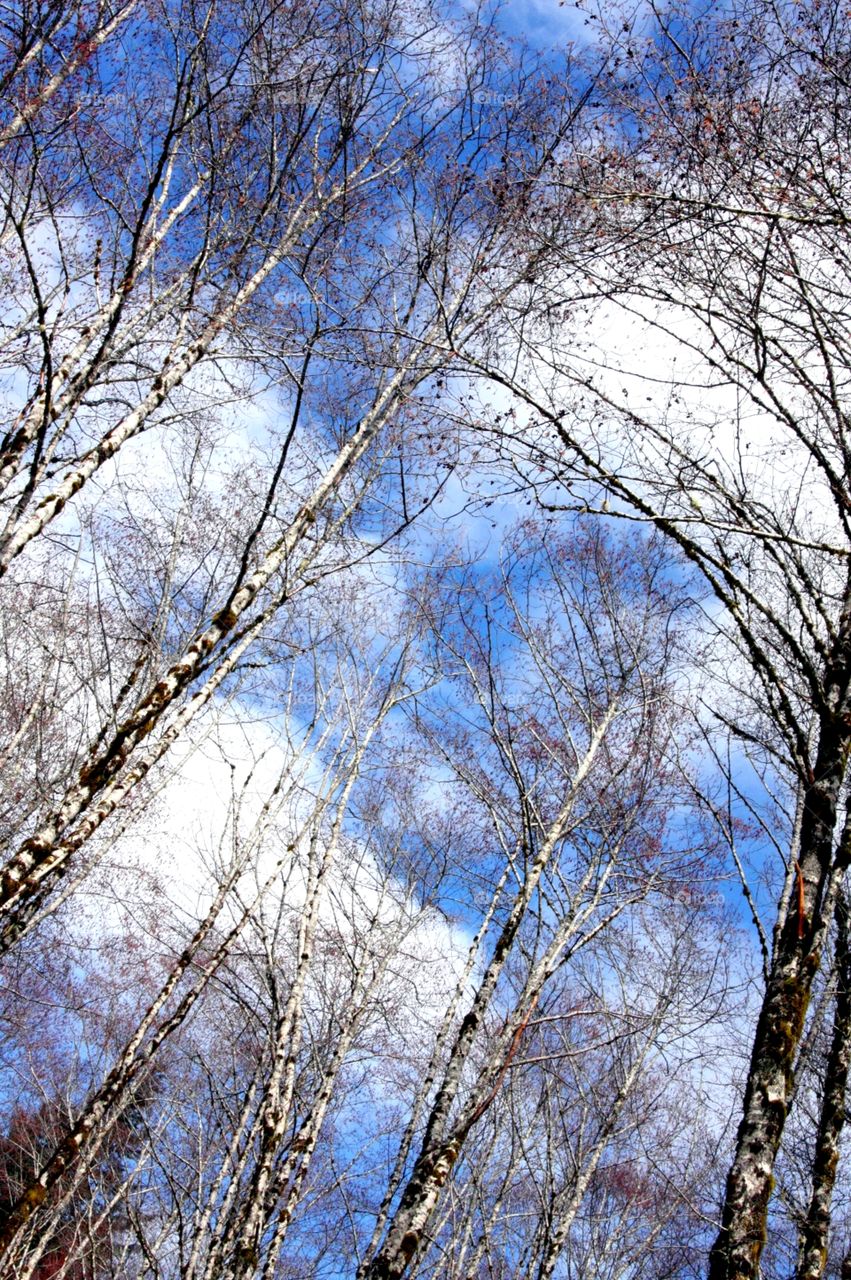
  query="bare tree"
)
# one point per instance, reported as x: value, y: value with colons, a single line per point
x: 553, y: 785
x: 446, y: 980
x: 256, y: 192
x: 717, y: 186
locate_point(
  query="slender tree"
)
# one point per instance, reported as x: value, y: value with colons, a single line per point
x: 717, y: 185
x: 252, y: 193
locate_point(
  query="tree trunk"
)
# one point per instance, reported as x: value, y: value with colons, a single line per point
x: 738, y: 1247
x: 812, y: 1255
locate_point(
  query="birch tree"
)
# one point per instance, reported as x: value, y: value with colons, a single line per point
x: 244, y: 236
x: 717, y: 185
x: 576, y: 852
x: 268, y: 908
x: 255, y: 285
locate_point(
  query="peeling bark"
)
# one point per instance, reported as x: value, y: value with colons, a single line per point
x: 737, y: 1250
x: 813, y: 1242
